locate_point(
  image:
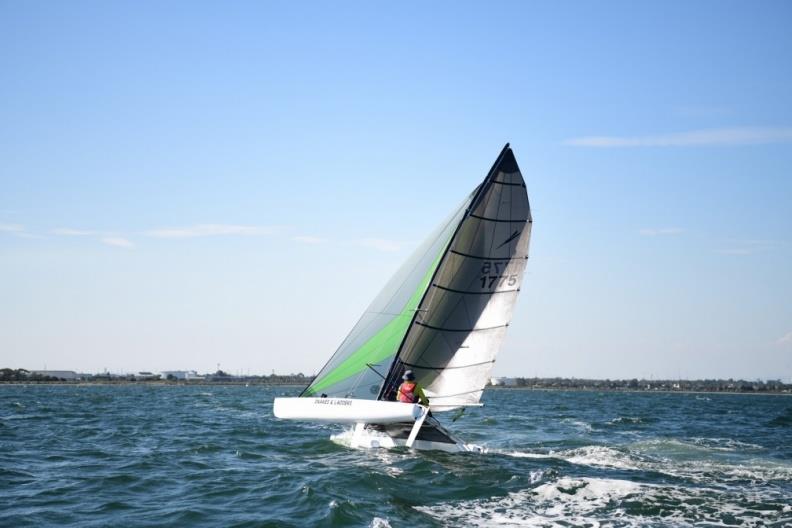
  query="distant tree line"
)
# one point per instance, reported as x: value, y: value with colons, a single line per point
x: 8, y: 374
x: 701, y: 385
x: 22, y: 375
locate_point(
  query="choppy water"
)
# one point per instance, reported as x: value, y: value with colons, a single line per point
x: 214, y: 456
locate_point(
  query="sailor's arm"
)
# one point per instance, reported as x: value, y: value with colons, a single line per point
x: 421, y: 396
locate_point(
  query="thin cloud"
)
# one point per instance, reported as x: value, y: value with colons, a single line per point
x: 67, y: 231
x: 739, y: 247
x: 662, y: 231
x: 118, y: 242
x: 380, y: 244
x: 19, y: 231
x: 703, y: 111
x: 209, y: 230
x: 736, y: 251
x: 785, y: 339
x: 12, y: 228
x: 309, y: 240
x: 707, y: 137
x: 758, y: 241
x: 25, y: 234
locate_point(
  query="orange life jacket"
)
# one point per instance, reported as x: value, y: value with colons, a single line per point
x: 406, y: 392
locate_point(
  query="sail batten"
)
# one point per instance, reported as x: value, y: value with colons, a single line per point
x: 498, y: 219
x: 473, y: 292
x: 427, y: 367
x: 484, y: 257
x: 439, y: 329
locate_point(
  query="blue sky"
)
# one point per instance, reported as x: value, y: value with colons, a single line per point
x: 184, y: 184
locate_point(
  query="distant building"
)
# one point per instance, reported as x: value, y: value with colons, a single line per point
x: 181, y: 374
x: 147, y: 376
x: 60, y: 374
x: 503, y: 382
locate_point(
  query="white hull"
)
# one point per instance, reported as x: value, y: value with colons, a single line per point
x: 378, y: 424
x: 345, y: 410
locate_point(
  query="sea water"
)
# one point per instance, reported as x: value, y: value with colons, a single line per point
x: 141, y: 455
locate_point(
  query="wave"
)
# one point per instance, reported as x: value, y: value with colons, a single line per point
x: 606, y: 502
x: 673, y: 458
x: 782, y: 420
x: 725, y: 444
x: 631, y: 420
x: 595, y: 455
x: 581, y: 426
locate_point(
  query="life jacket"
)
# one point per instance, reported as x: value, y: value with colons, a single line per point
x: 406, y: 393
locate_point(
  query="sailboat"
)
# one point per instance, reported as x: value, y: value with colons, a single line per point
x: 443, y: 316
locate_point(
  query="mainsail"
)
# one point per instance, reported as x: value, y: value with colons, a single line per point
x: 445, y: 312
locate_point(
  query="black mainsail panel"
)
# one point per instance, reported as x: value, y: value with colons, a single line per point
x: 462, y: 318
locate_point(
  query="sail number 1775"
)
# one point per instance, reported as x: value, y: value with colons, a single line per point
x: 493, y: 275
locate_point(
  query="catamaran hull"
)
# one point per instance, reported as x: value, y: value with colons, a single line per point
x: 378, y: 424
x: 345, y: 410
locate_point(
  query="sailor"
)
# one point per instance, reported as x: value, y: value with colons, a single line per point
x: 410, y: 391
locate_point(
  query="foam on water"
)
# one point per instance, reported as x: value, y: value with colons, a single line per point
x: 580, y: 425
x: 344, y: 438
x: 601, y: 456
x: 523, y: 454
x: 650, y: 456
x: 626, y: 420
x: 613, y: 502
x: 725, y: 444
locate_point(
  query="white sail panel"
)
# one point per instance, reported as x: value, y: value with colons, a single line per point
x: 464, y: 377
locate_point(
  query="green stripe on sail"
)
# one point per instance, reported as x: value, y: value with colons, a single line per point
x: 383, y: 344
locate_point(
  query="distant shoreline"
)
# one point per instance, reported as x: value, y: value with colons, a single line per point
x: 203, y: 383
x: 642, y: 391
x: 156, y: 383
x: 192, y: 378
x: 695, y: 386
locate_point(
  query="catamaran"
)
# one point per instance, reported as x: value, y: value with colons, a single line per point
x: 443, y: 315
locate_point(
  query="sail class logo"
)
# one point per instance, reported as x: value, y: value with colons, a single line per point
x: 512, y: 237
x: 332, y: 401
